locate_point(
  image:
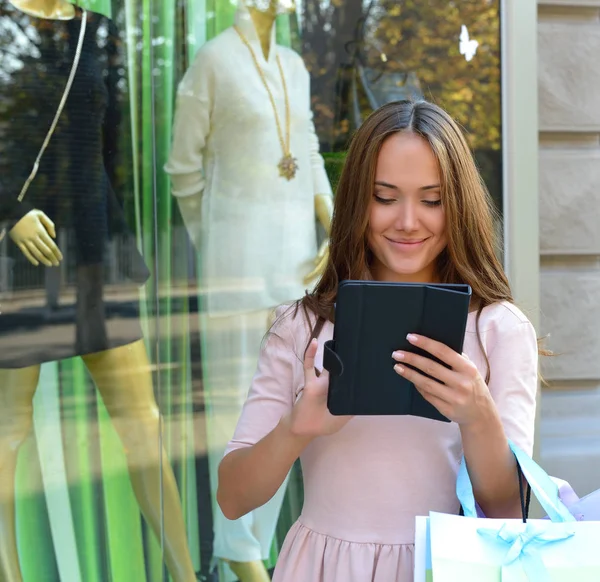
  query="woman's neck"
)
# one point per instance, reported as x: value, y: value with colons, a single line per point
x: 51, y: 9
x: 380, y: 272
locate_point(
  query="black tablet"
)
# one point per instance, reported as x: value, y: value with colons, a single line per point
x: 372, y: 320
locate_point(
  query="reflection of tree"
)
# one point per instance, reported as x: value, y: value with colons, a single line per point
x: 327, y: 28
x: 411, y: 36
x: 22, y: 106
x: 394, y: 39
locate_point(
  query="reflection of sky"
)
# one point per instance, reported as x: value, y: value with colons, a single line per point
x: 16, y: 44
x: 324, y: 5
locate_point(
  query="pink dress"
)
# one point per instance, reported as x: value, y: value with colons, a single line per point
x: 364, y: 485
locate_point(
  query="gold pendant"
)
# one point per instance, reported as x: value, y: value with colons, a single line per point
x: 288, y: 167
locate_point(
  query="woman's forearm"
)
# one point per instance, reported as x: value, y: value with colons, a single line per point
x: 492, y: 467
x: 249, y: 477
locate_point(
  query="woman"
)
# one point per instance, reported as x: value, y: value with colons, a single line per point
x: 410, y: 207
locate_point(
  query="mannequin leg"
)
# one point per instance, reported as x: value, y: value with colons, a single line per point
x: 230, y: 351
x: 124, y: 380
x: 17, y: 388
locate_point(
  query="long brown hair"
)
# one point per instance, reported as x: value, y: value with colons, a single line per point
x: 471, y: 253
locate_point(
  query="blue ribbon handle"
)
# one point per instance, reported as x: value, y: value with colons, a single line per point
x: 522, y: 544
x: 542, y: 486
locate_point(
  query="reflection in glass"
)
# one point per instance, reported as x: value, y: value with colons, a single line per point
x: 227, y: 144
x: 247, y: 174
x: 237, y: 239
x: 363, y: 54
x: 80, y: 201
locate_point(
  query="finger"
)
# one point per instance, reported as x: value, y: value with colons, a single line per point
x: 48, y: 224
x: 318, y: 271
x: 55, y: 254
x: 35, y: 251
x: 311, y: 277
x: 28, y: 255
x: 45, y: 249
x: 439, y: 350
x: 323, y: 248
x: 424, y: 384
x: 439, y: 404
x: 425, y: 365
x: 309, y: 361
x: 323, y: 262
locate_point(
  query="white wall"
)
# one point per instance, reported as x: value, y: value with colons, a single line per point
x: 569, y: 178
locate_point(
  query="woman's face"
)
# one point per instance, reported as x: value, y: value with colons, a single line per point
x: 407, y: 223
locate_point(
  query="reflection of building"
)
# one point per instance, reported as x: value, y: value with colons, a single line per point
x: 569, y: 164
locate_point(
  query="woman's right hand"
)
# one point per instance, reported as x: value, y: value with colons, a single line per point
x: 310, y: 416
x: 33, y: 235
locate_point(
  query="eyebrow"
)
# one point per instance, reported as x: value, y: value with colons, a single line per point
x: 423, y: 188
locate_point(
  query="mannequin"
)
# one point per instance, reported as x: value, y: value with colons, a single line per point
x: 264, y: 21
x: 242, y: 104
x: 120, y: 367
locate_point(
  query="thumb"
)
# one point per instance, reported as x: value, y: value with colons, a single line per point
x: 309, y: 360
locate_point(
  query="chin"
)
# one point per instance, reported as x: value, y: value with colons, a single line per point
x: 410, y: 272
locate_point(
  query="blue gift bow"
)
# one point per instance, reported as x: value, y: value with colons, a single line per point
x: 524, y: 545
x: 542, y: 486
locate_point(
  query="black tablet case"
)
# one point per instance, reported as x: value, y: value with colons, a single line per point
x: 372, y: 320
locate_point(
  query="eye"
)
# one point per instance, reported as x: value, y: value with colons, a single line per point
x: 432, y: 203
x: 383, y: 200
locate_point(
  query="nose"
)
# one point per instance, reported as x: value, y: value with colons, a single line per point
x: 407, y: 219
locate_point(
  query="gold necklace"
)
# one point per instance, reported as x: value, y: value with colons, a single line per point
x: 288, y: 166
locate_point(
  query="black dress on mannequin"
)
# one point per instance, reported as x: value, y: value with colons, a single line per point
x: 79, y: 186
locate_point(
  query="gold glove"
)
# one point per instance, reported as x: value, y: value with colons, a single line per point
x: 320, y: 263
x: 33, y: 234
x: 324, y: 212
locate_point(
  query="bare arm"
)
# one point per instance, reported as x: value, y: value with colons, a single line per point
x: 191, y: 128
x: 486, y: 414
x: 250, y: 476
x: 492, y: 467
x: 513, y: 386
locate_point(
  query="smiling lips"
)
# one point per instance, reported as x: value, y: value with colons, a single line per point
x: 408, y: 243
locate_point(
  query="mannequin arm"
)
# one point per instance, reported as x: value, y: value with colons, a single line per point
x: 190, y: 130
x: 324, y: 212
x: 323, y: 201
x: 191, y: 212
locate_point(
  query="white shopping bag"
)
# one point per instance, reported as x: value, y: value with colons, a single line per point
x: 450, y: 548
x: 423, y: 572
x: 470, y: 549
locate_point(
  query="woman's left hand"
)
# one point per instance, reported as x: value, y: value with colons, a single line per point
x: 459, y: 393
